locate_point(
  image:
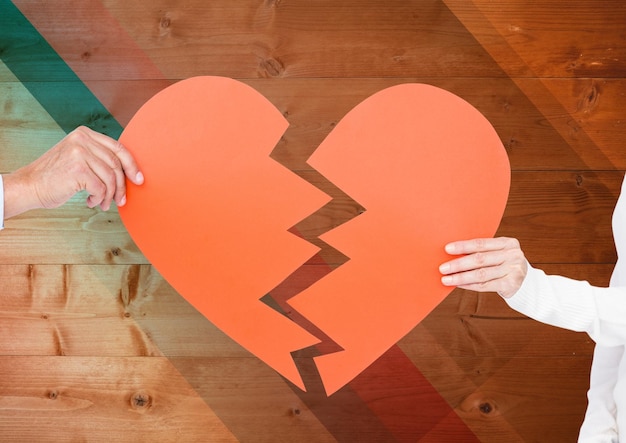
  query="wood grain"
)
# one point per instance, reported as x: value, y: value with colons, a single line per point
x: 543, y: 39
x: 101, y: 398
x: 95, y: 345
x: 558, y: 216
x: 590, y: 138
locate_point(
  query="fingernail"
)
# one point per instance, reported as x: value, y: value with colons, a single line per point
x: 122, y: 201
x: 450, y: 248
x: 446, y: 280
x: 445, y: 268
x: 139, y: 178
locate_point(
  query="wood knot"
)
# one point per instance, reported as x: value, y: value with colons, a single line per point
x: 510, y: 143
x: 589, y: 99
x: 165, y: 24
x: 53, y: 395
x: 140, y: 401
x: 130, y: 285
x: 485, y: 408
x: 271, y: 67
x: 478, y: 404
x: 579, y: 180
x: 113, y: 253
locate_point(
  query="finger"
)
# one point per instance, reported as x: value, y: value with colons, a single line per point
x: 479, y: 277
x: 96, y: 190
x: 477, y: 245
x: 93, y: 201
x: 126, y: 159
x: 111, y: 174
x: 106, y: 165
x: 119, y: 194
x: 473, y: 261
x: 101, y: 182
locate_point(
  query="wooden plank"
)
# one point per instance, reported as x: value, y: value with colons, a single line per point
x: 101, y: 399
x: 559, y: 217
x: 70, y: 234
x: 314, y: 106
x: 63, y: 309
x: 72, y: 336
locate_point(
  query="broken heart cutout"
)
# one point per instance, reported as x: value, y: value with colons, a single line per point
x: 214, y: 212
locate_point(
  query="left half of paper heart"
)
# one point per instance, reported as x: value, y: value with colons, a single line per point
x: 214, y: 211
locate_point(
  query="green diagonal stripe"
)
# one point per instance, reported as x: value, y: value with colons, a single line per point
x: 48, y: 78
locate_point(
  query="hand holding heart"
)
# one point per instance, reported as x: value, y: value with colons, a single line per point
x: 84, y: 160
x: 488, y: 265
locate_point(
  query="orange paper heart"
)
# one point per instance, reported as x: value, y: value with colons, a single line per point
x: 214, y: 212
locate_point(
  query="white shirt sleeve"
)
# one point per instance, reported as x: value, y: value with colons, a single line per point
x: 1, y: 203
x: 574, y: 305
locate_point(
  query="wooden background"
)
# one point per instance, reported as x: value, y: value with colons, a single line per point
x: 94, y: 344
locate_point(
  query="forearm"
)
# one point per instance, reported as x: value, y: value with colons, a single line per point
x: 574, y: 305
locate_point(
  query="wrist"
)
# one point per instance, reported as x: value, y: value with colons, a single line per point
x: 19, y: 195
